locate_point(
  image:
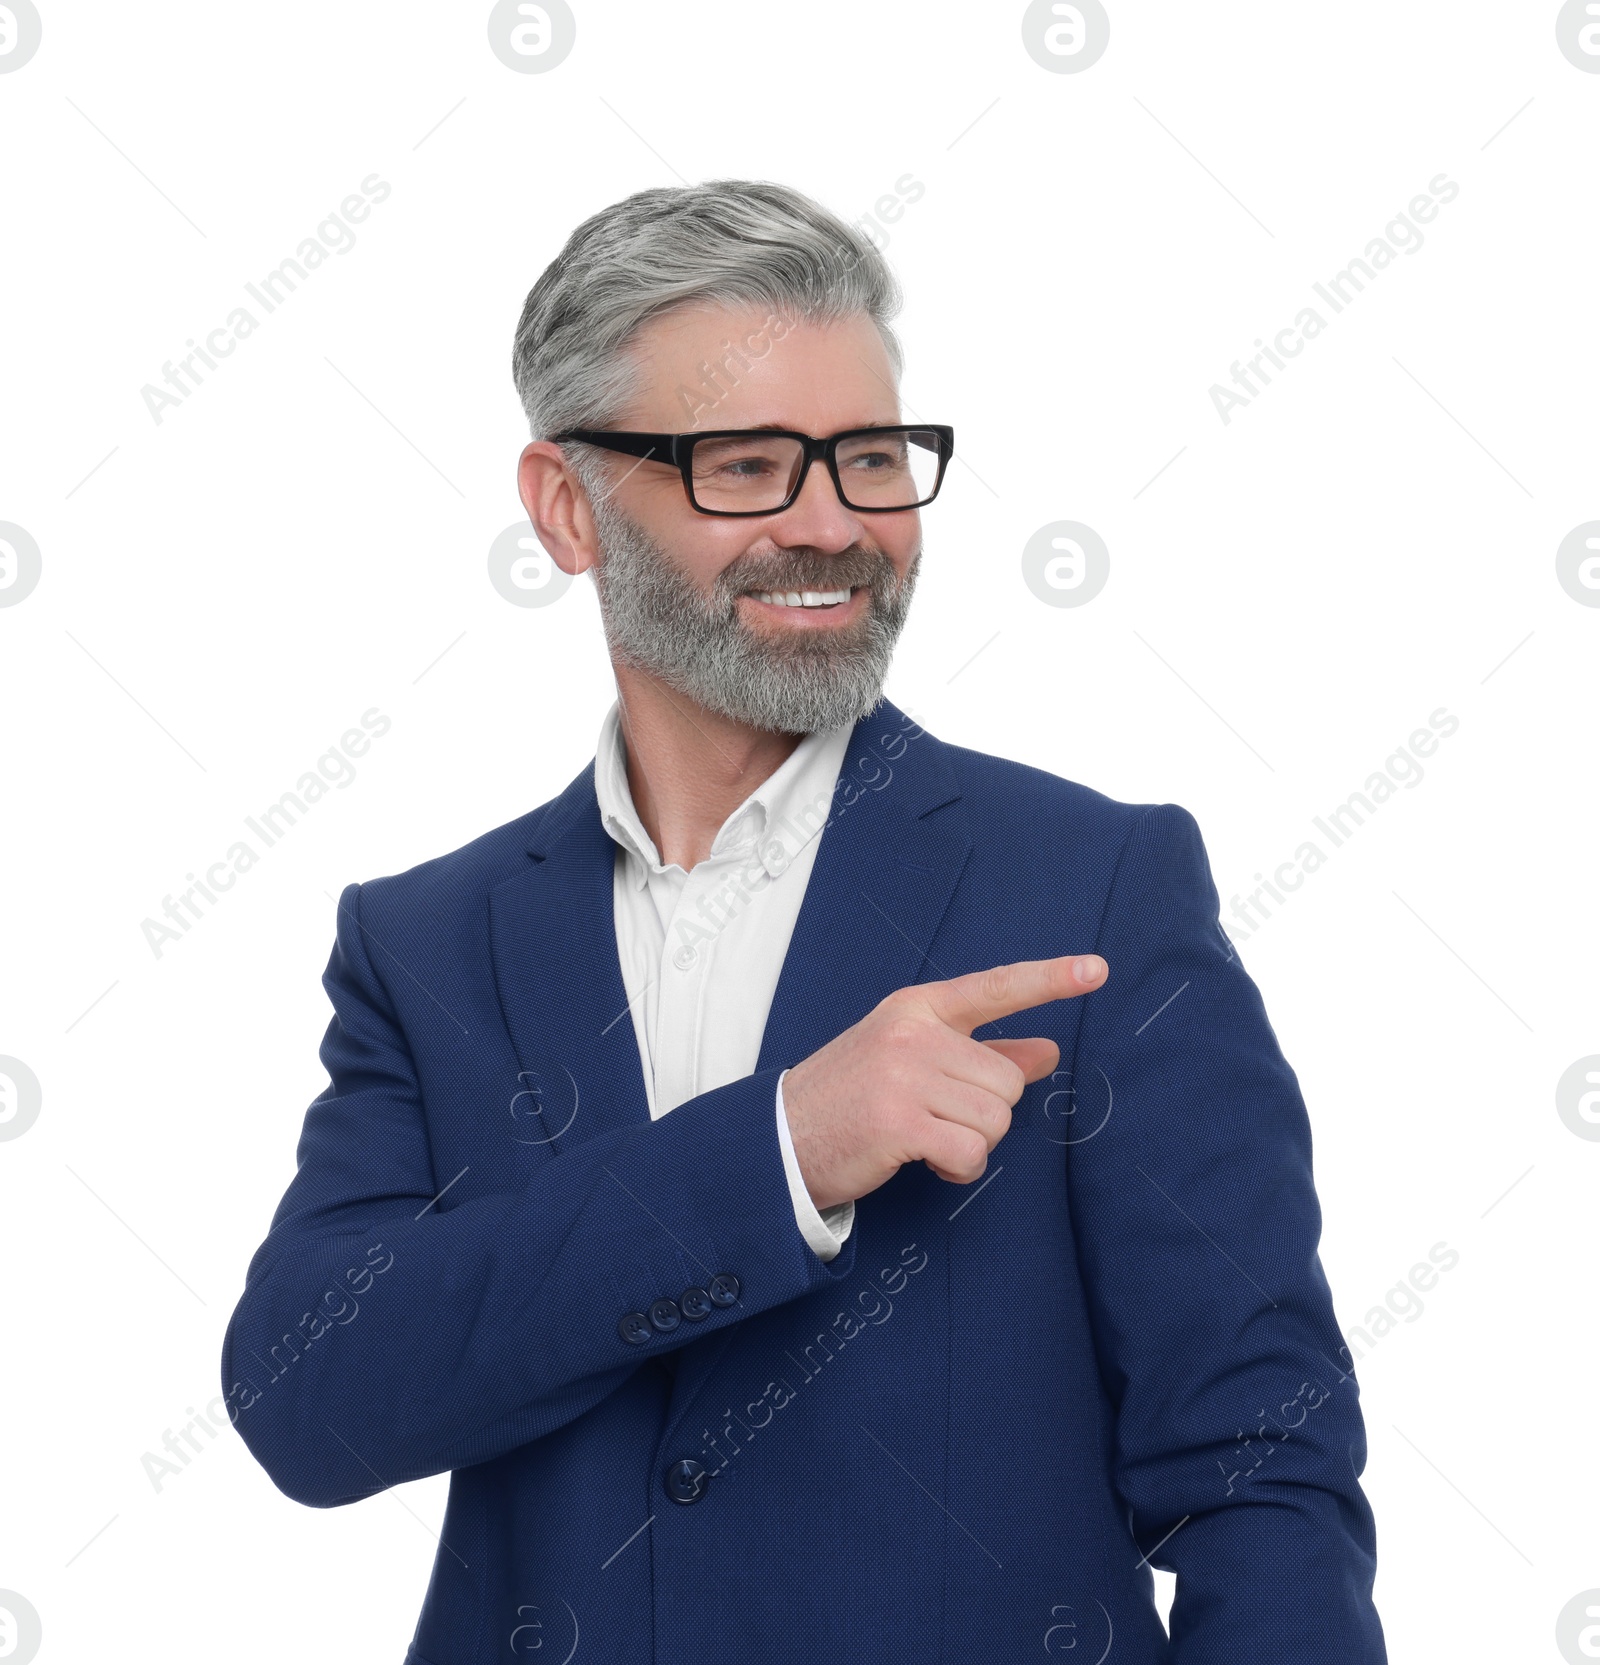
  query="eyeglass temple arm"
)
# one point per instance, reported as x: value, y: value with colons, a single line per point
x: 660, y: 446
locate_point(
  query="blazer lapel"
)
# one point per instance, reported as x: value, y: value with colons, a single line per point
x: 553, y: 942
x: 881, y: 882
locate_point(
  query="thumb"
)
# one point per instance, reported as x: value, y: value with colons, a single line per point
x: 1036, y: 1057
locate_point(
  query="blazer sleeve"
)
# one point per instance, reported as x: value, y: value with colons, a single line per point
x: 386, y: 1332
x: 1238, y: 1438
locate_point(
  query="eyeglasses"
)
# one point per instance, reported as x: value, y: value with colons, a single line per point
x: 759, y: 471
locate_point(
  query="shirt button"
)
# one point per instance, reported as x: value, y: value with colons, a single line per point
x: 686, y: 1480
x: 684, y: 958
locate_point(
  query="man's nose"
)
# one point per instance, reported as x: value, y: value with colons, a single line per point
x: 817, y: 516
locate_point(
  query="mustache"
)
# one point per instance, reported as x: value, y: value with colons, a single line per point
x: 808, y: 570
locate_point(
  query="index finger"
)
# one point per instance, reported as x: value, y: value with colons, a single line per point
x: 979, y: 997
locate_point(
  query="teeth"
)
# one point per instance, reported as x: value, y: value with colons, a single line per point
x: 802, y: 598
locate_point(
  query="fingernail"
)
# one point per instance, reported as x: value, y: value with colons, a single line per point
x: 1089, y: 968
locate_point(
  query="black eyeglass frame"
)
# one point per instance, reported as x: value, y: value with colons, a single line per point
x: 678, y: 450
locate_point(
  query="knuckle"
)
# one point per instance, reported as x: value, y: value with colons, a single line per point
x: 904, y: 1124
x: 996, y: 1122
x: 956, y: 1148
x: 981, y: 1106
x: 974, y: 1153
x: 903, y: 1032
x: 994, y: 986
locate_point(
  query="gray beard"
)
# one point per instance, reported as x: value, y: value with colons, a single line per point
x: 658, y: 622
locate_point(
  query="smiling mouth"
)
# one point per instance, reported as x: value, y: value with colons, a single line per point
x: 819, y: 600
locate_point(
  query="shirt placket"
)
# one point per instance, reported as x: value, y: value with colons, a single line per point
x: 687, y: 960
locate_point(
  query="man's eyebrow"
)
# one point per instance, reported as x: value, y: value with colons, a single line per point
x: 782, y: 427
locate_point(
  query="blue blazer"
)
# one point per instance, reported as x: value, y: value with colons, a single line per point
x: 677, y: 1436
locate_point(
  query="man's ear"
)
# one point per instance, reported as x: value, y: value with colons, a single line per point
x: 558, y: 507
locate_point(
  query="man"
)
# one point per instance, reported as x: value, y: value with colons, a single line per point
x: 824, y: 1192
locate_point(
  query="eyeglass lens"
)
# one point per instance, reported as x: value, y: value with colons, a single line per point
x: 889, y: 469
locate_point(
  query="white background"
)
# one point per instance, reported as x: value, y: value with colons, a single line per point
x: 224, y: 592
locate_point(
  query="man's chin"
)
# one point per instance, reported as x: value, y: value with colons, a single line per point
x: 796, y: 700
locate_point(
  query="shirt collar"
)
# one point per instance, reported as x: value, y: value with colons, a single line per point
x: 775, y: 820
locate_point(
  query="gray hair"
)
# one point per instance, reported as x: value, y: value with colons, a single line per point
x: 732, y: 242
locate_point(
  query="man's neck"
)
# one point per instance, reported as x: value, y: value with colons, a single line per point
x: 688, y: 768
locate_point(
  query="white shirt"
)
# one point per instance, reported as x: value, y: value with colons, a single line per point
x: 701, y: 951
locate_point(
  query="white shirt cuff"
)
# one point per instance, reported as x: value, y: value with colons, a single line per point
x: 826, y: 1230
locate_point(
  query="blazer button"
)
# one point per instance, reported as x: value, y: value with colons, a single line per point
x: 664, y: 1314
x: 696, y: 1303
x: 723, y: 1289
x: 634, y: 1328
x: 686, y: 1481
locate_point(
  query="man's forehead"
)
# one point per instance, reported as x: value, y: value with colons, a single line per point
x: 752, y: 367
